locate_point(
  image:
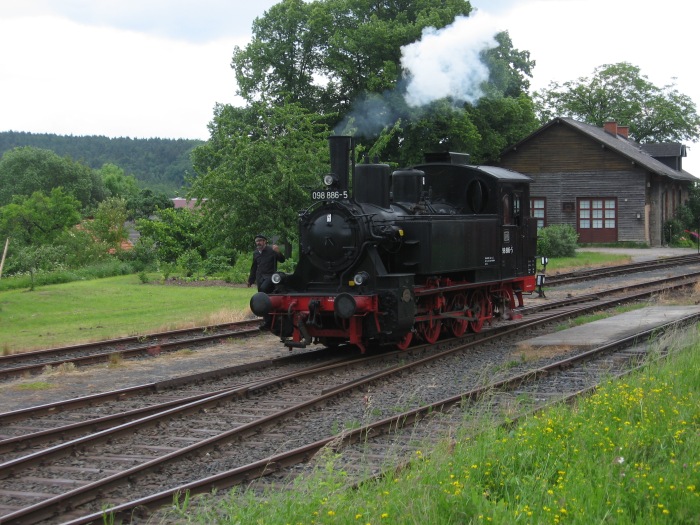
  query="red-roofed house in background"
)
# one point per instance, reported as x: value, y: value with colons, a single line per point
x: 181, y: 202
x: 125, y: 246
x: 608, y: 187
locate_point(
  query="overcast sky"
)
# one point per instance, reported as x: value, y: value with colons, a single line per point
x: 156, y: 68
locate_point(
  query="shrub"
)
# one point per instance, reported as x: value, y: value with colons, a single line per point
x: 558, y: 240
x: 190, y: 262
x: 144, y: 254
x: 678, y: 235
x: 241, y: 269
x: 216, y: 264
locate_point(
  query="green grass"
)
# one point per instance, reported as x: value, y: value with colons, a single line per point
x: 97, y: 271
x: 35, y: 385
x: 628, y: 454
x: 585, y: 319
x: 583, y: 260
x: 99, y: 309
x: 59, y: 313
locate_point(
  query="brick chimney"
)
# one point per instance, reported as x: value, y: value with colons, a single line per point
x: 610, y: 127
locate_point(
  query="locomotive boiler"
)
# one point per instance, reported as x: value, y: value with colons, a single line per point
x: 414, y: 254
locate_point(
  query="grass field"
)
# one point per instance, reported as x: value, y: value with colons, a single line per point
x: 98, y: 309
x: 584, y: 260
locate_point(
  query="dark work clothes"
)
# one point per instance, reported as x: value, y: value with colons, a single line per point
x: 264, y: 265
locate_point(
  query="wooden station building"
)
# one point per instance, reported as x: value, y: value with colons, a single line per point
x: 608, y: 187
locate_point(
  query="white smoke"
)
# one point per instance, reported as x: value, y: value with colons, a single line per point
x: 446, y: 62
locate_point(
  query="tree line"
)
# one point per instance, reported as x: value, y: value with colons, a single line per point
x: 317, y: 68
x: 261, y: 160
x: 157, y: 164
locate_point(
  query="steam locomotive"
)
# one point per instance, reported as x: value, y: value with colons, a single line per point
x: 410, y: 255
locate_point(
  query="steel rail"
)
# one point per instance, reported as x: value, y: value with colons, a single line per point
x: 58, y: 356
x: 60, y: 503
x: 104, y: 422
x: 623, y: 269
x: 272, y: 464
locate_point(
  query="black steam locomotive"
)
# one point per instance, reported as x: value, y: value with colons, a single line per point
x: 436, y: 249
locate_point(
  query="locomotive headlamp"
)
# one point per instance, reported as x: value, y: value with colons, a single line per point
x: 328, y: 180
x: 360, y: 278
x: 277, y: 278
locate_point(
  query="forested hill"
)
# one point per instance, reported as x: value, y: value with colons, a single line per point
x: 158, y: 164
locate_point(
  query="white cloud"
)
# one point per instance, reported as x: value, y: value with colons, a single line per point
x: 156, y: 68
x: 81, y: 80
x: 191, y: 20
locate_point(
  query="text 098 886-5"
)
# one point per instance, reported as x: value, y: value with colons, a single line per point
x: 328, y: 195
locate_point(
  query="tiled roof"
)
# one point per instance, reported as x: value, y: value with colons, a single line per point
x: 665, y: 149
x: 626, y: 147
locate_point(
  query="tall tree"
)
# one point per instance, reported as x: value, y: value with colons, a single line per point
x: 140, y: 203
x: 40, y: 218
x: 364, y: 41
x: 620, y: 92
x: 324, y: 54
x: 118, y: 183
x: 146, y: 203
x: 257, y: 170
x: 174, y: 232
x: 26, y: 170
x: 343, y: 60
x: 283, y: 37
x: 108, y: 224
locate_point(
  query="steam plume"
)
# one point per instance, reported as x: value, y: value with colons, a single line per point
x: 443, y: 63
x: 446, y: 62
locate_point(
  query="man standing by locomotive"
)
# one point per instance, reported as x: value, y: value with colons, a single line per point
x: 264, y: 265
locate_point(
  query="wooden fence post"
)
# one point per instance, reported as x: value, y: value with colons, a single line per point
x: 4, y: 253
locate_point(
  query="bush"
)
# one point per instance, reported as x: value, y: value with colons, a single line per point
x: 241, y: 269
x: 216, y: 264
x: 108, y: 268
x: 678, y: 235
x: 190, y: 262
x: 558, y: 240
x: 82, y: 249
x: 143, y: 256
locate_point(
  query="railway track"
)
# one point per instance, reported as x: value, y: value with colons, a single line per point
x: 30, y: 363
x: 221, y: 432
x: 134, y: 347
x: 73, y: 417
x: 364, y: 450
x: 621, y: 270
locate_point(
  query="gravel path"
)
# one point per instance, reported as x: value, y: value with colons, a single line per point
x: 57, y: 385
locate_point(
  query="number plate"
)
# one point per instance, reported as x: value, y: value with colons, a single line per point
x: 329, y: 195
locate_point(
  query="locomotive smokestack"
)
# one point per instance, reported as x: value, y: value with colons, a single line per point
x: 341, y: 146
